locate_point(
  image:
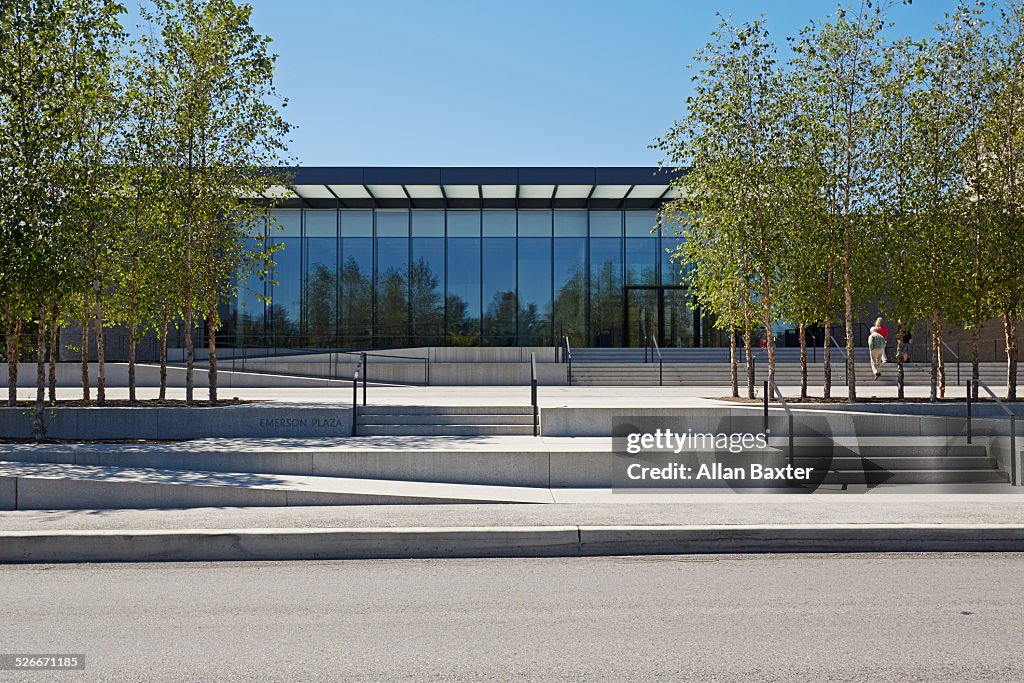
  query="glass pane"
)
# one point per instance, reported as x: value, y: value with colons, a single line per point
x: 322, y: 223
x: 463, y: 297
x: 356, y: 223
x: 606, y: 224
x: 286, y: 295
x: 571, y: 289
x: 500, y: 291
x: 671, y: 269
x: 321, y: 296
x: 356, y: 292
x: 678, y: 318
x: 642, y: 260
x: 499, y: 223
x: 570, y: 223
x: 249, y: 313
x: 392, y: 223
x: 428, y: 223
x: 392, y: 291
x: 535, y: 224
x: 641, y: 316
x: 534, y: 291
x: 463, y: 223
x: 288, y: 223
x: 426, y: 290
x: 641, y: 223
x: 606, y: 291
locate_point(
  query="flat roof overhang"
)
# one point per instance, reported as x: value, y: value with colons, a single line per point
x: 365, y: 187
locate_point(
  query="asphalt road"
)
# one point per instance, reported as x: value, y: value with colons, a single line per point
x: 701, y: 618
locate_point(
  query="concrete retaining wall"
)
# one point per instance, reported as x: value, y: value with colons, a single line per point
x: 116, y: 375
x: 228, y: 421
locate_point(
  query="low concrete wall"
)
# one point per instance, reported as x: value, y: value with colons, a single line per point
x: 247, y: 420
x: 116, y: 375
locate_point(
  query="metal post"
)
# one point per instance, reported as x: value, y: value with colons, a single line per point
x: 765, y: 425
x: 969, y: 391
x: 533, y: 394
x: 661, y: 372
x: 791, y: 453
x: 1013, y: 450
x: 364, y: 377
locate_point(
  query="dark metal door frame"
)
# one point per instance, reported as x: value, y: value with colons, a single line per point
x: 660, y: 312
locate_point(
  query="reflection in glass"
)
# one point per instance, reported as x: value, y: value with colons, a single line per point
x: 426, y: 291
x: 356, y: 323
x: 641, y: 316
x: 392, y: 303
x: 286, y: 294
x: 535, y: 291
x: 606, y: 291
x: 499, y: 290
x: 463, y: 298
x: 320, y: 301
x: 570, y: 305
x: 642, y: 260
x: 249, y: 321
x: 679, y: 318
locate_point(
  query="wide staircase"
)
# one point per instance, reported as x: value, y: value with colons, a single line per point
x: 444, y: 421
x: 710, y: 367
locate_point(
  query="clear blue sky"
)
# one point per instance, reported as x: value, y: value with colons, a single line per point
x: 515, y: 82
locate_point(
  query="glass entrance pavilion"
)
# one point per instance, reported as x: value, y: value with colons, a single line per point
x: 402, y: 257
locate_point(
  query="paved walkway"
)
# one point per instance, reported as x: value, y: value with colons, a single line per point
x: 662, y: 510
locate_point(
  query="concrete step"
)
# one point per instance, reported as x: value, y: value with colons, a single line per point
x: 65, y: 487
x: 924, y: 476
x: 893, y: 463
x: 455, y: 419
x: 378, y: 429
x: 525, y: 409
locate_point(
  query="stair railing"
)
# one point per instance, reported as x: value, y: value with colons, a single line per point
x: 846, y: 358
x: 533, y: 393
x: 770, y: 387
x: 568, y: 360
x: 1013, y: 425
x: 956, y: 356
x: 661, y: 364
x: 355, y: 391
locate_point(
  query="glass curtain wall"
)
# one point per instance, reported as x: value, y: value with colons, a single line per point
x: 499, y: 277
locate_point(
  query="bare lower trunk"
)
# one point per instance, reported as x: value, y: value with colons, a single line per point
x: 85, y: 352
x: 826, y: 362
x: 900, y: 376
x: 851, y: 368
x: 131, y: 361
x: 39, y: 430
x: 942, y: 360
x: 935, y: 352
x: 748, y: 337
x: 52, y: 379
x: 975, y: 364
x: 211, y: 347
x: 13, y: 333
x: 190, y: 355
x: 769, y: 337
x: 733, y: 363
x: 803, y: 360
x: 1010, y: 331
x: 163, y: 359
x: 101, y: 358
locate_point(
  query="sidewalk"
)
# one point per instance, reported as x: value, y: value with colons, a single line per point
x: 702, y: 524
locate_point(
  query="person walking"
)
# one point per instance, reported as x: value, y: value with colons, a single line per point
x: 884, y: 331
x: 876, y: 347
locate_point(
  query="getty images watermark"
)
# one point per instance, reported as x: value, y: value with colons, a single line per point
x: 658, y: 453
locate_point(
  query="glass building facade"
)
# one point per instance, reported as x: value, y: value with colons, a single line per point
x: 400, y: 276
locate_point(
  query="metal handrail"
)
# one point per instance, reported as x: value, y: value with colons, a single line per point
x: 533, y: 393
x: 846, y: 357
x: 661, y: 363
x: 771, y: 387
x: 355, y: 395
x: 1013, y: 425
x: 957, y: 357
x: 568, y: 359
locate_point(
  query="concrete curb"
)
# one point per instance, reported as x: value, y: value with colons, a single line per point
x: 193, y: 545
